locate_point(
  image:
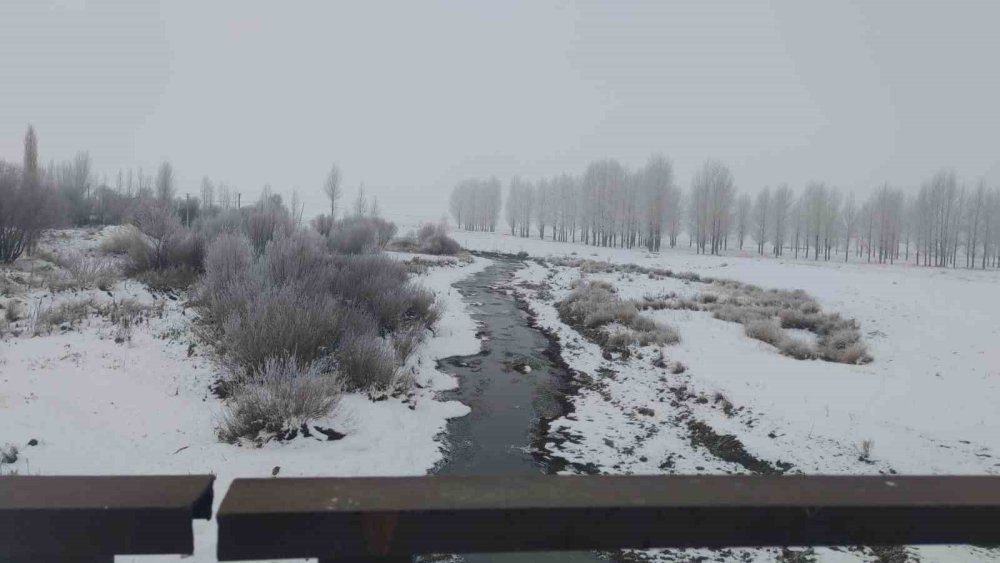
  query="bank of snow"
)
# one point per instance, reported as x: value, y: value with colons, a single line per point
x: 145, y: 407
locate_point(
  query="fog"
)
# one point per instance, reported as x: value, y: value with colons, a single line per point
x: 410, y: 98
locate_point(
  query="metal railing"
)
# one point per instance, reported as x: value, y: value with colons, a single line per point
x: 393, y: 519
x: 95, y: 518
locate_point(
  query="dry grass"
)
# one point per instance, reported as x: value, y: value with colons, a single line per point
x: 594, y: 305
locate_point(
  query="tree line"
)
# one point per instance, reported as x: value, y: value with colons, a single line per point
x: 35, y: 197
x: 943, y: 223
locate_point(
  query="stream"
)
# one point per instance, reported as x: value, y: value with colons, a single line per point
x: 512, y: 388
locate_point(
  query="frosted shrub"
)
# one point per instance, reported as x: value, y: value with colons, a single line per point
x: 323, y: 224
x: 284, y: 320
x: 118, y: 241
x: 280, y: 395
x: 366, y: 362
x: 360, y: 235
x: 264, y: 222
x: 796, y: 348
x: 212, y: 226
x: 296, y: 299
x: 299, y: 258
x: 66, y: 314
x: 227, y: 259
x: 434, y: 239
x: 768, y: 331
x: 79, y: 271
x: 380, y: 285
x: 595, y: 304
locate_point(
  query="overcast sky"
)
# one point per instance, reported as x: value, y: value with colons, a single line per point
x: 411, y: 97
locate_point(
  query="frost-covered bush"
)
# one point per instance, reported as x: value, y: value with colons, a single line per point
x: 81, y: 271
x: 796, y: 348
x: 367, y: 361
x: 360, y: 235
x: 161, y: 252
x: 296, y: 299
x: 285, y: 320
x: 768, y: 331
x: 323, y: 224
x: 433, y: 239
x: 264, y: 222
x: 594, y: 304
x: 66, y: 314
x: 380, y: 285
x: 280, y: 395
x: 119, y: 240
x: 211, y: 226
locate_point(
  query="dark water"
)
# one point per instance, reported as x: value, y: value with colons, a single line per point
x: 509, y: 402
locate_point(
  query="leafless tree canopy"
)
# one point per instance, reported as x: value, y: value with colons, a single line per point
x: 944, y: 223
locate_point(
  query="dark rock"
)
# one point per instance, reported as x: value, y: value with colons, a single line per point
x: 32, y: 442
x: 330, y: 433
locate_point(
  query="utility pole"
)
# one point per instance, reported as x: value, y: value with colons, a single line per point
x: 237, y: 200
x: 187, y: 209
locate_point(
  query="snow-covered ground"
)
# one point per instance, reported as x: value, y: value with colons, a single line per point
x: 144, y: 406
x: 927, y: 403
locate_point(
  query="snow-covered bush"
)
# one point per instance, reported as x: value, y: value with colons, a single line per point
x: 594, y: 304
x: 298, y: 300
x: 323, y: 224
x: 280, y: 395
x: 80, y: 271
x: 360, y: 234
x: 796, y: 348
x: 66, y: 314
x: 433, y: 239
x: 118, y: 241
x: 287, y: 321
x: 367, y: 361
x: 768, y: 331
x: 161, y: 252
x: 264, y: 222
x: 380, y: 286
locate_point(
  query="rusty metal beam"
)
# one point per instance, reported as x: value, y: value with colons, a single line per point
x: 398, y: 517
x: 95, y: 518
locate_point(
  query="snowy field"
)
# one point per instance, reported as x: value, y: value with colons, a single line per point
x: 925, y: 405
x: 144, y: 406
x: 93, y: 402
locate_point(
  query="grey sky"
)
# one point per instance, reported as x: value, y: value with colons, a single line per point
x: 411, y: 97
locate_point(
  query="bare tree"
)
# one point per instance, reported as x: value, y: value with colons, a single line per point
x: 712, y: 195
x: 165, y: 183
x: 207, y: 193
x: 332, y: 188
x: 781, y: 207
x: 761, y: 218
x: 744, y: 206
x: 361, y: 202
x: 26, y: 205
x: 849, y: 221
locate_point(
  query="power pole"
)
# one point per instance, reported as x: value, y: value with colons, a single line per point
x: 187, y: 209
x: 237, y: 200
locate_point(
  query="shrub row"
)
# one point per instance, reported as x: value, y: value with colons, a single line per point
x: 297, y: 310
x: 592, y: 305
